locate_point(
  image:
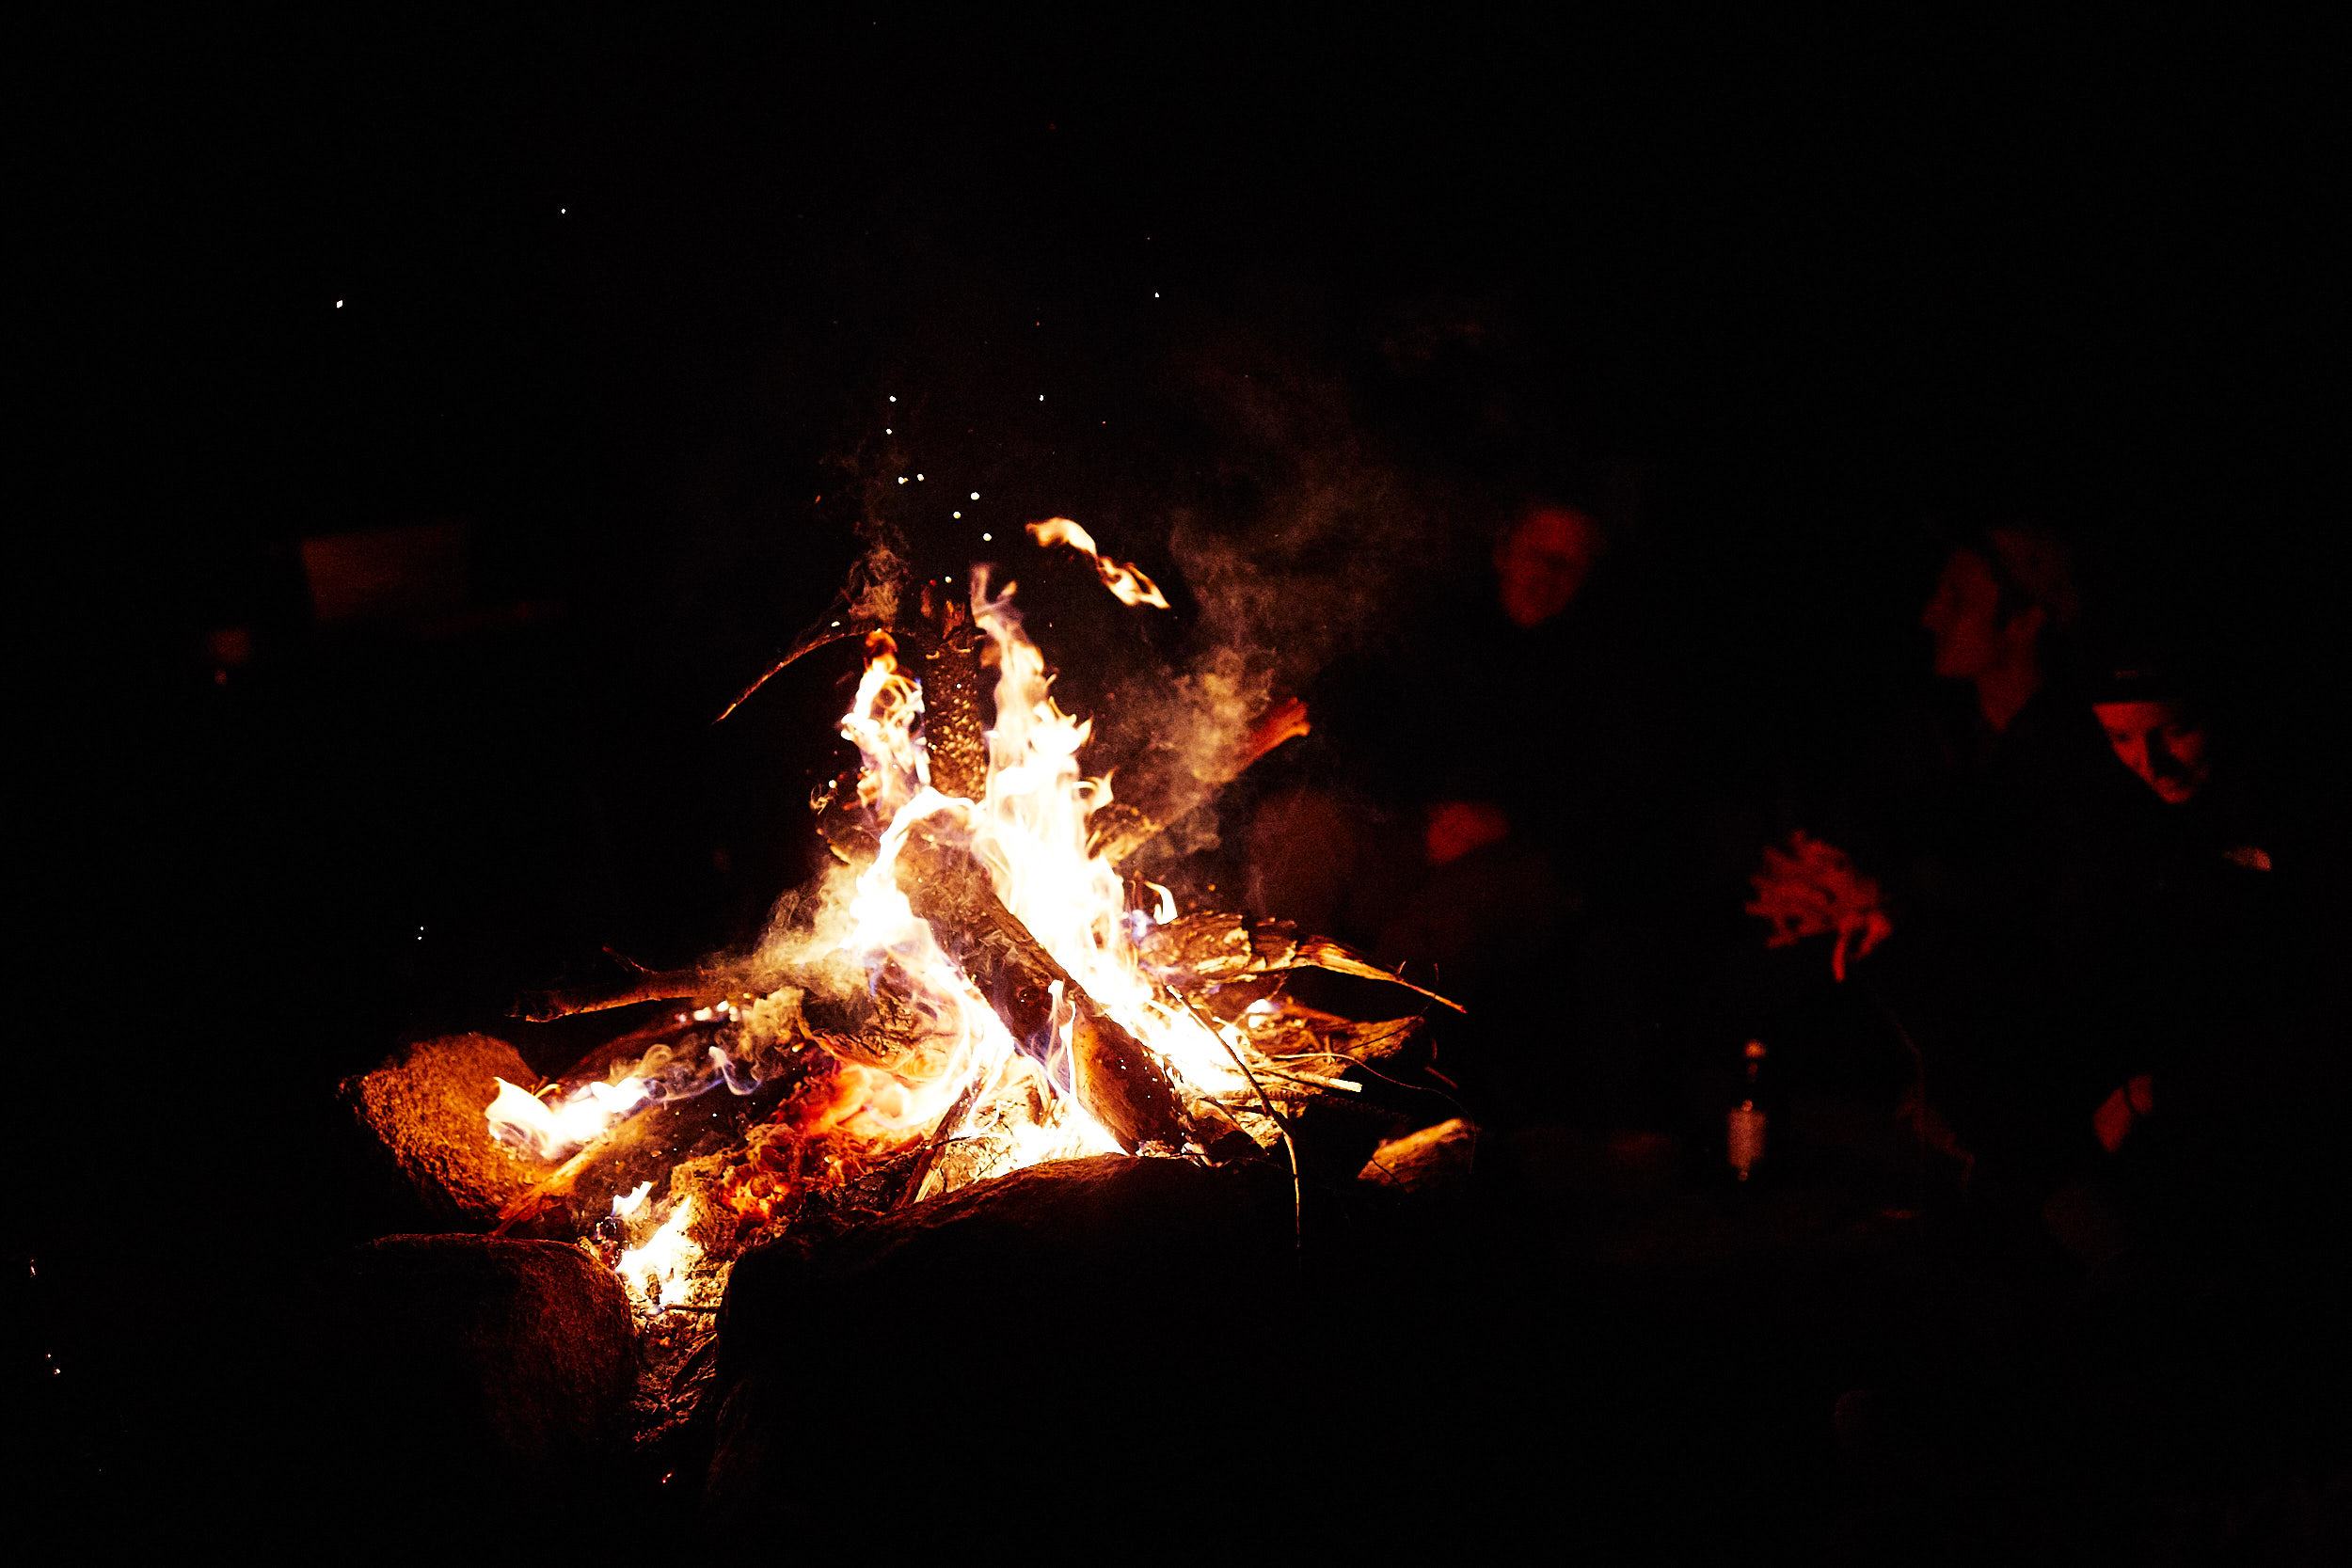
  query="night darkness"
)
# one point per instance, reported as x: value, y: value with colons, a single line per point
x: 630, y: 309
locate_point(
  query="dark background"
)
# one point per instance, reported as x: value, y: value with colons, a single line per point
x: 629, y: 308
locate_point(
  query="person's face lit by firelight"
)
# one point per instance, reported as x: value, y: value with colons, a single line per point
x: 1543, y: 562
x: 1964, y: 620
x: 2162, y: 743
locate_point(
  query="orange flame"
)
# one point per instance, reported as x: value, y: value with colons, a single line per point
x: 1126, y: 581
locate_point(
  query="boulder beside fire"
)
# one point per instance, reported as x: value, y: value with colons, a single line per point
x: 453, y: 1382
x: 1086, y: 1338
x: 423, y: 1109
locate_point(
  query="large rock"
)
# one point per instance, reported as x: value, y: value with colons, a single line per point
x: 1080, y: 1338
x: 422, y: 1108
x: 466, y: 1378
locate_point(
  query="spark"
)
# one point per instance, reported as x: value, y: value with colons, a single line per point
x: 918, y: 479
x: 894, y: 398
x: 339, y: 305
x: 986, y: 537
x: 976, y: 495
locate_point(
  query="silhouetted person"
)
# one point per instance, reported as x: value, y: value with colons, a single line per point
x: 1510, y: 739
x: 1950, y: 860
x: 2197, y: 976
x: 2185, y: 1146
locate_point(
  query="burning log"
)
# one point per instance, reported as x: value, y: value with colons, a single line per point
x: 951, y: 715
x: 1119, y: 1082
x: 644, y: 1147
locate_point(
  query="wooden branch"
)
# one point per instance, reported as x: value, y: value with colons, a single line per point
x: 700, y: 985
x: 1118, y: 830
x: 808, y: 642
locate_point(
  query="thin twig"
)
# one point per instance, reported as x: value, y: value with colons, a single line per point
x: 1318, y: 1082
x: 1298, y: 1201
x: 776, y: 669
x: 694, y: 1363
x: 948, y: 1122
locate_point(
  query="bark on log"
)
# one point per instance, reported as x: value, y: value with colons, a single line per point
x: 1119, y: 1081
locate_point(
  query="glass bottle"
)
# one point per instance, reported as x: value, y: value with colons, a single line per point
x: 1745, y: 1123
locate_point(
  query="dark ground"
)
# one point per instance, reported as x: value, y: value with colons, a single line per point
x: 629, y: 310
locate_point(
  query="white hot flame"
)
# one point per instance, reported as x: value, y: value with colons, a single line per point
x: 522, y: 1120
x: 658, y: 1272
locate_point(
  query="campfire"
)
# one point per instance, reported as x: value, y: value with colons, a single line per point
x: 977, y: 985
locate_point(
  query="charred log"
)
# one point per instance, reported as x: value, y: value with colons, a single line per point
x: 919, y: 1169
x: 952, y: 730
x: 842, y: 820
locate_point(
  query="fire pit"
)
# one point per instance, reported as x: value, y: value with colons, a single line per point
x: 951, y: 1068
